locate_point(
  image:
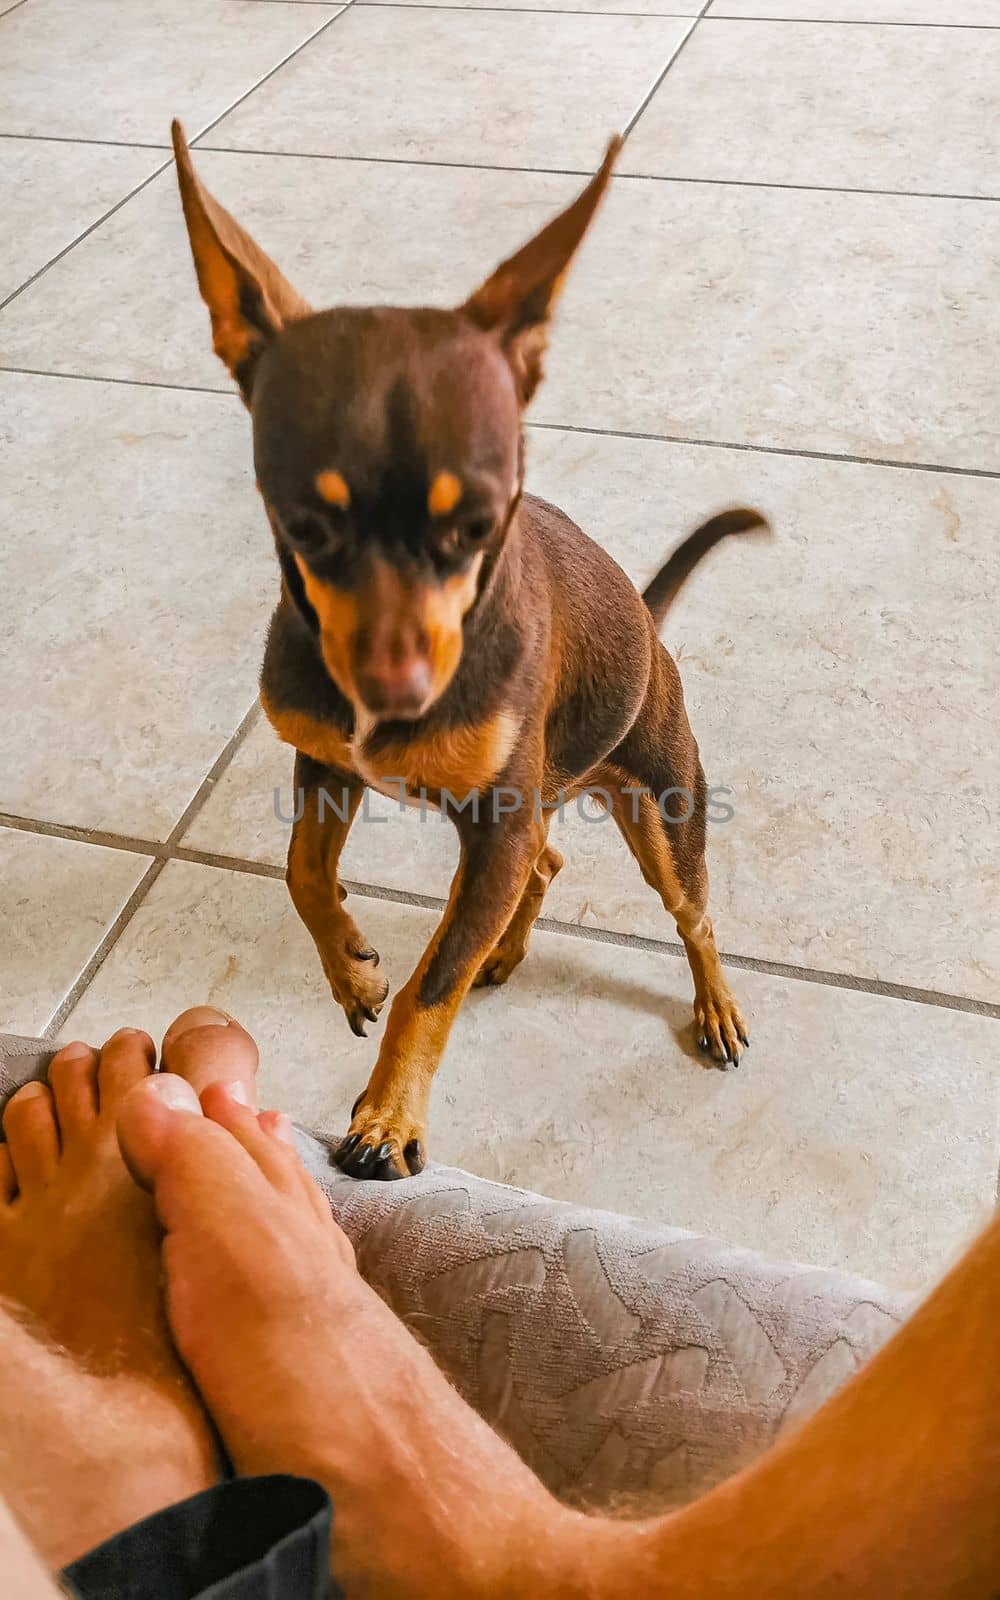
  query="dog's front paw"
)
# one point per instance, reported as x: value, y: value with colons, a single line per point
x: 380, y: 1144
x: 357, y: 986
x: 720, y: 1028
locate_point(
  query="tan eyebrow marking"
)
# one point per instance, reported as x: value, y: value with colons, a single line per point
x: 445, y: 493
x: 332, y: 487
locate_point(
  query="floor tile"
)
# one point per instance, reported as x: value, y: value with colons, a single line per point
x: 137, y: 577
x: 457, y: 85
x: 51, y: 191
x: 965, y: 13
x: 111, y: 69
x: 851, y: 323
x: 649, y: 8
x: 57, y: 900
x: 912, y: 109
x: 861, y: 1131
x: 821, y: 674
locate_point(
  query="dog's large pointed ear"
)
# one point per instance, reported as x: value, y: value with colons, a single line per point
x: 517, y: 301
x: 248, y: 298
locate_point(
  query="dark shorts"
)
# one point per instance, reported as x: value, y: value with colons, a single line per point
x: 248, y: 1539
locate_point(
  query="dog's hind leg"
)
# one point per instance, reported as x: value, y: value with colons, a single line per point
x: 511, y: 950
x: 720, y: 1027
x: 326, y: 802
x: 659, y: 807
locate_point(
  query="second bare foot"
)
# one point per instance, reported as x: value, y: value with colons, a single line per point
x: 306, y: 1370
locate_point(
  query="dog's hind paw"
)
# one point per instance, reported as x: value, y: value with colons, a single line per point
x: 497, y: 968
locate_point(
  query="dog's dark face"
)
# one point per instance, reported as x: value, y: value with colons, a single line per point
x: 387, y: 443
x: 387, y: 446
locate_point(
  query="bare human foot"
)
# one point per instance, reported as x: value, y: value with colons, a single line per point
x: 306, y: 1370
x: 98, y: 1422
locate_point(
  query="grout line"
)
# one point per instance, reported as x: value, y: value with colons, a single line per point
x: 585, y: 11
x: 104, y: 949
x: 224, y: 863
x: 161, y: 854
x: 127, y: 842
x: 516, y: 11
x: 883, y: 988
x: 856, y: 22
x: 268, y: 75
x: 512, y: 11
x: 398, y: 161
x: 486, y: 166
x: 134, y: 383
x: 655, y: 88
x: 707, y: 12
x: 215, y: 772
x: 768, y: 450
x: 65, y: 138
x: 172, y: 850
x: 14, y: 7
x: 165, y: 164
x: 42, y: 270
x: 587, y: 172
x: 807, y: 188
x: 133, y: 843
x: 580, y: 428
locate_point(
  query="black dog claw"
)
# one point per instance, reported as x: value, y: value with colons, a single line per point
x: 385, y: 1167
x: 413, y: 1155
x: 361, y: 1161
x: 345, y: 1147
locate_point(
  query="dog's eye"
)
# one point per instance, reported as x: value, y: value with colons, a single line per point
x: 462, y: 537
x: 450, y: 542
x: 307, y: 531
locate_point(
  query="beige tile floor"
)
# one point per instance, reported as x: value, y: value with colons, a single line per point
x: 789, y: 299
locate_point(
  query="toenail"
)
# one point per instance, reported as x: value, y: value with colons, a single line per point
x: 279, y: 1126
x: 29, y: 1091
x: 197, y: 1017
x: 236, y: 1091
x: 75, y: 1051
x: 123, y: 1033
x: 175, y: 1092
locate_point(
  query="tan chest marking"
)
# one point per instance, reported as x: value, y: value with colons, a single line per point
x: 462, y: 760
x: 320, y: 740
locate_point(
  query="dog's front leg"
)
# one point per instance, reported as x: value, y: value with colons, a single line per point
x: 386, y: 1136
x: 326, y: 802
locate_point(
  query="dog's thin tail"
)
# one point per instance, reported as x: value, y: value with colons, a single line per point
x: 660, y: 594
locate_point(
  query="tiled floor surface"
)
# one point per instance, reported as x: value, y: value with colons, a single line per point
x: 789, y: 299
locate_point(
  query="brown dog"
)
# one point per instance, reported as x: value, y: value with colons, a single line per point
x: 439, y: 630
